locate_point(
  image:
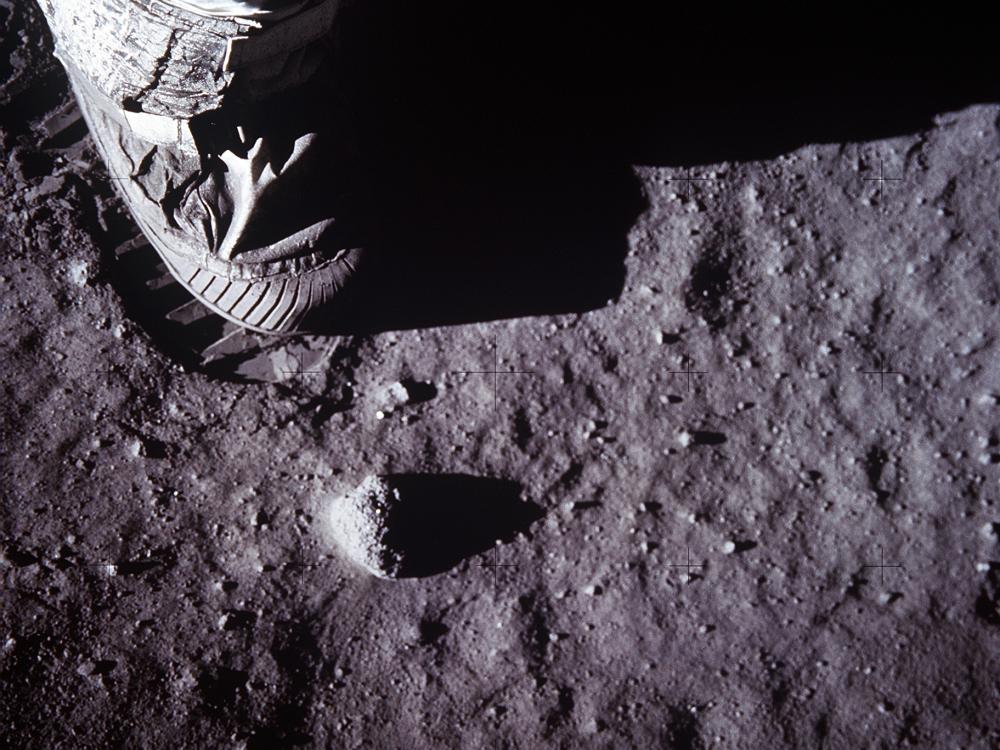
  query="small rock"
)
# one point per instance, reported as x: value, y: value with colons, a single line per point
x: 96, y: 668
x: 404, y: 393
x: 360, y: 523
x: 396, y: 395
x: 47, y: 186
x: 237, y: 620
x: 79, y: 272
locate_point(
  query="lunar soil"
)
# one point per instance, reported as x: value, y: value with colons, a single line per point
x: 727, y: 481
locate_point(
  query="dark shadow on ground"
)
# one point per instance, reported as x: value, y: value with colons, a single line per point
x: 740, y: 121
x: 500, y: 142
x: 491, y: 197
x: 497, y: 142
x: 451, y: 517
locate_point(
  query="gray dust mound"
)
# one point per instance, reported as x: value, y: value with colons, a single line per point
x: 360, y: 521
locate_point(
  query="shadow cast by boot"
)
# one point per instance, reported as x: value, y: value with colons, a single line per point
x: 449, y: 518
x: 491, y: 196
x: 499, y: 150
x: 518, y: 240
x: 500, y: 145
x: 708, y: 122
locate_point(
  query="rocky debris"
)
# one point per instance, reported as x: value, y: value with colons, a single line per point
x: 96, y: 668
x: 396, y: 394
x: 48, y: 186
x: 235, y: 619
x: 406, y: 392
x: 361, y: 522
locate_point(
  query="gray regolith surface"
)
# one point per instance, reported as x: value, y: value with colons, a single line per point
x: 167, y: 581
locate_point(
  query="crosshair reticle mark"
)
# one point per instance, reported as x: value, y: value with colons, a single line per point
x: 496, y: 372
x: 298, y: 371
x: 882, y: 565
x: 881, y: 372
x: 688, y: 373
x: 881, y: 180
x: 691, y: 177
x: 114, y: 177
x: 686, y: 565
x: 496, y: 565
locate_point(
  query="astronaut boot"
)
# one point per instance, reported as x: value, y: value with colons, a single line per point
x: 224, y: 136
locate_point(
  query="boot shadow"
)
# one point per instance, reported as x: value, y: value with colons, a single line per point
x: 499, y: 153
x: 490, y: 199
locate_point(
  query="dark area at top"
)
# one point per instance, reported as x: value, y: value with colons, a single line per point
x: 499, y: 142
